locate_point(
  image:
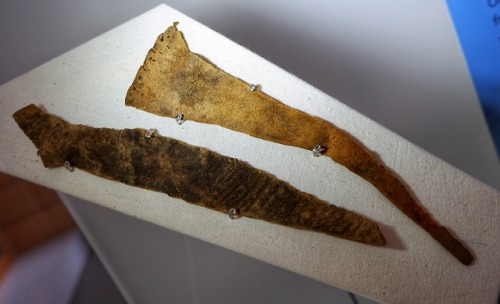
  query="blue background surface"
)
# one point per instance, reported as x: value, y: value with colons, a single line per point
x: 477, y: 24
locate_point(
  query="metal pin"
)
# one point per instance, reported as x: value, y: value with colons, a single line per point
x: 68, y: 166
x: 150, y: 133
x: 318, y: 150
x: 179, y: 119
x: 253, y: 87
x: 234, y: 213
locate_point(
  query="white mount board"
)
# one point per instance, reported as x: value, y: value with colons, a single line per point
x: 87, y: 85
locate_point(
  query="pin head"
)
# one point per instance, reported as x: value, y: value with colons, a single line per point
x: 68, y: 166
x: 252, y: 87
x: 318, y: 150
x: 150, y: 133
x: 234, y: 213
x: 179, y: 119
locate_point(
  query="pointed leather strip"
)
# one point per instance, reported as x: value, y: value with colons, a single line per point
x: 174, y: 80
x: 194, y: 174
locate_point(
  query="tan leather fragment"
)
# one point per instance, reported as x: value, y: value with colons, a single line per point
x: 174, y: 81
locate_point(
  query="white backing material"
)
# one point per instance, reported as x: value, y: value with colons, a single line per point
x: 87, y: 85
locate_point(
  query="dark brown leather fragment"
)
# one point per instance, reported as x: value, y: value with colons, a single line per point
x: 174, y: 81
x: 194, y: 174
